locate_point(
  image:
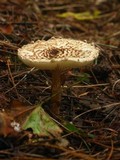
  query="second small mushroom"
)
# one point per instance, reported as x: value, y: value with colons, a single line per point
x: 58, y: 55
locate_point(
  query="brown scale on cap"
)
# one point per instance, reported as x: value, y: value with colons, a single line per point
x: 58, y: 55
x: 74, y: 53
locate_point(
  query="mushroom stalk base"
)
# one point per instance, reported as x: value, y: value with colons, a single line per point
x: 56, y: 91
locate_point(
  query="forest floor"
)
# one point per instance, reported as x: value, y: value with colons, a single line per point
x: 90, y: 99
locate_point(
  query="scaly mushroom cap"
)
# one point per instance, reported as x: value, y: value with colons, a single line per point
x: 58, y: 52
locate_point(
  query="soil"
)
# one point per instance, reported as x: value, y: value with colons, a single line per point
x: 90, y: 98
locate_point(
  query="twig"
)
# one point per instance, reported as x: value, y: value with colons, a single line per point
x: 106, y: 106
x: 20, y: 80
x: 12, y: 79
x: 113, y: 87
x: 111, y: 151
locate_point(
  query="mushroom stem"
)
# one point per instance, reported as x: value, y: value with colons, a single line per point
x: 56, y: 91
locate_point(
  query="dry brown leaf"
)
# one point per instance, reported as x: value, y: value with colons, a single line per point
x: 5, y: 124
x: 6, y: 29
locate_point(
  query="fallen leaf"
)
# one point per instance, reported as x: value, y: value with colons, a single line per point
x: 5, y: 124
x: 41, y: 123
x: 72, y: 128
x: 6, y: 29
x: 19, y: 110
x: 81, y: 16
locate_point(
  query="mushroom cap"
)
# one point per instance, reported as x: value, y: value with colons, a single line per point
x: 58, y: 52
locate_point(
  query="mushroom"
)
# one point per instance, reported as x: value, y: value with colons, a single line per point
x: 58, y: 55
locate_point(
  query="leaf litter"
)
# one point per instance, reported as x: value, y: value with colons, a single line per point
x: 90, y: 110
